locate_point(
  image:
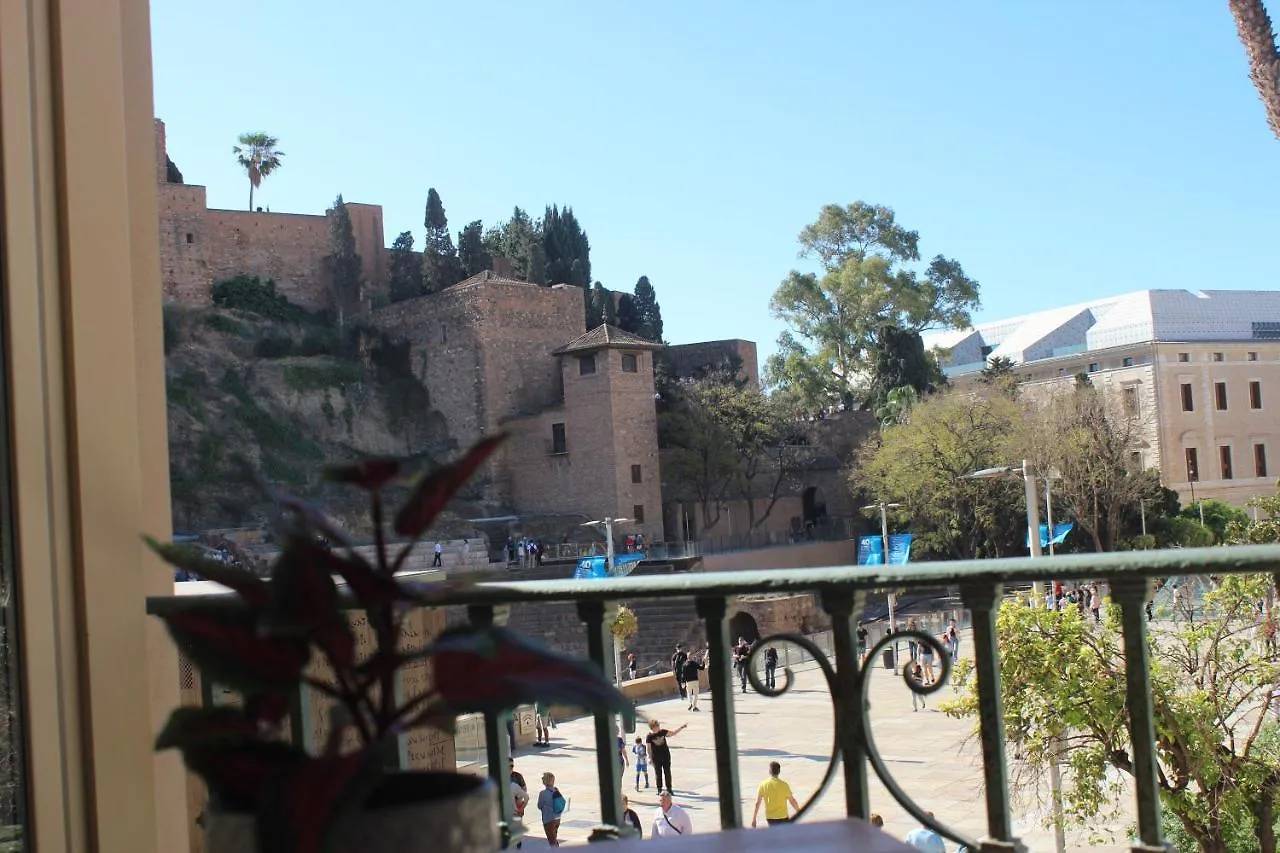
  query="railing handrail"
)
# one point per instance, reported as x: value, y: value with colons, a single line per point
x: 1156, y: 563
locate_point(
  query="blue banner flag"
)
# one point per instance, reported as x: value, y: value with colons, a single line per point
x: 871, y: 550
x: 1060, y: 532
x: 597, y: 567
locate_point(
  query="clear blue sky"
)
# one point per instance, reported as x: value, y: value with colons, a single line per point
x: 1060, y: 151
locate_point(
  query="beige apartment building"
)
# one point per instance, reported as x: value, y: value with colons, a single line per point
x: 1199, y: 369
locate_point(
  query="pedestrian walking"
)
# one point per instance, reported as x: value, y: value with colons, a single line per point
x: 660, y: 752
x: 632, y: 667
x: 542, y: 724
x: 953, y: 640
x: 670, y: 821
x: 692, y: 679
x: 435, y: 560
x: 551, y: 805
x: 776, y: 796
x: 741, y: 653
x: 917, y: 675
x: 913, y: 647
x: 678, y: 658
x: 926, y: 662
x: 641, y: 752
x: 770, y: 668
x: 1095, y: 604
x: 862, y: 640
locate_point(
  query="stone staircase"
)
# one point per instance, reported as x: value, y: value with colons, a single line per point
x: 662, y: 622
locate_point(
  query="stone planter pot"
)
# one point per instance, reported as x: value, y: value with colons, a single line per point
x: 408, y: 813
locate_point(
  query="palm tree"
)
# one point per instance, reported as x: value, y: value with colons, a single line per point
x: 1259, y: 41
x: 257, y: 153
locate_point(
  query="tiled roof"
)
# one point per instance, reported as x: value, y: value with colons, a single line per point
x: 603, y: 336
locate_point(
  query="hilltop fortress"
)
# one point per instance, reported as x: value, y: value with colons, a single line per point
x: 494, y: 353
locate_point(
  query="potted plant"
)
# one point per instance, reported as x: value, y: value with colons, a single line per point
x: 272, y: 796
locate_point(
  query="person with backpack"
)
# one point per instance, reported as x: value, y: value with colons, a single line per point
x: 520, y: 800
x: 692, y: 686
x: 771, y: 668
x: 551, y: 805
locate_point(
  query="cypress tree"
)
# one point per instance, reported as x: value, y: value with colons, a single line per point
x: 403, y: 279
x: 440, y: 267
x: 473, y: 256
x: 628, y: 319
x: 348, y: 270
x: 567, y: 250
x: 519, y: 240
x: 648, y: 312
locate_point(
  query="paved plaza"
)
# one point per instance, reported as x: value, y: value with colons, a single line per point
x: 933, y: 758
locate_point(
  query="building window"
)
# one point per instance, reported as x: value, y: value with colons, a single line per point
x: 1220, y: 396
x: 1188, y: 401
x: 630, y: 362
x: 1093, y: 367
x: 1253, y: 356
x: 191, y: 238
x: 1128, y: 362
x: 1217, y: 356
x: 1184, y: 357
x: 635, y: 474
x: 1255, y: 395
x: 1193, y: 466
x: 558, y: 442
x: 1135, y: 457
x: 1260, y: 460
x: 1224, y: 458
x: 1131, y: 400
x: 637, y: 513
x: 444, y: 334
x: 586, y: 364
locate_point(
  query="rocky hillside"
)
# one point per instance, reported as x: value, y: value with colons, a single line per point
x: 260, y: 388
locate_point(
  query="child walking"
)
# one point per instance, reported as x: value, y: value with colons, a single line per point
x: 642, y: 762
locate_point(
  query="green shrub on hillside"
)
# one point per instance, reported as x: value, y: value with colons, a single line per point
x: 228, y: 326
x: 251, y: 294
x: 317, y: 377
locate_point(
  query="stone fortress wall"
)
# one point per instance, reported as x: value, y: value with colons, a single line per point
x: 199, y: 246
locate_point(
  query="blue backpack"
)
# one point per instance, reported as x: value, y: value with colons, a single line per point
x: 558, y: 802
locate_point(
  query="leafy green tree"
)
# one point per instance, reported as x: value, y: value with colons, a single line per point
x: 870, y: 281
x: 1218, y: 516
x: 258, y: 156
x: 440, y: 268
x: 726, y: 441
x: 345, y: 262
x: 519, y: 240
x: 403, y: 279
x: 1261, y: 532
x: 1218, y: 747
x: 897, y: 406
x: 999, y: 374
x: 1089, y: 442
x: 921, y: 464
x: 566, y: 248
x: 900, y: 359
x: 473, y: 255
x: 648, y: 312
x: 600, y: 306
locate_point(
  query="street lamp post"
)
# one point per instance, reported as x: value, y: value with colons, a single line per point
x: 607, y: 523
x: 884, y: 544
x: 1037, y: 590
x: 1033, y: 510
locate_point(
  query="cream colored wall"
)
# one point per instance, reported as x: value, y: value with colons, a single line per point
x: 82, y: 302
x: 1207, y: 429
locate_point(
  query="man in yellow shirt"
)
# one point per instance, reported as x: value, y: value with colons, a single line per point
x: 775, y: 794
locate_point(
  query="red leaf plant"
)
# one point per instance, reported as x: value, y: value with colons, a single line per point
x: 261, y: 641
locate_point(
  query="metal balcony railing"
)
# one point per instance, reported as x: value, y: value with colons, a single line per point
x: 842, y: 592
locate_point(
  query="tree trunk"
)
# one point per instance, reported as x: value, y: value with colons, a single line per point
x: 1264, y: 817
x: 251, y: 195
x: 1259, y: 40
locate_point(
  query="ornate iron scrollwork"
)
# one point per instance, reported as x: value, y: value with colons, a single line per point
x: 828, y: 672
x: 869, y: 743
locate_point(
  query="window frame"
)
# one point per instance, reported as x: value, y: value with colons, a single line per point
x: 637, y: 474
x: 1259, y: 459
x: 634, y: 362
x: 637, y: 513
x: 1188, y: 397
x: 559, y: 439
x: 1220, y: 396
x: 1224, y: 462
x: 1255, y: 395
x: 587, y: 364
x: 1191, y: 456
